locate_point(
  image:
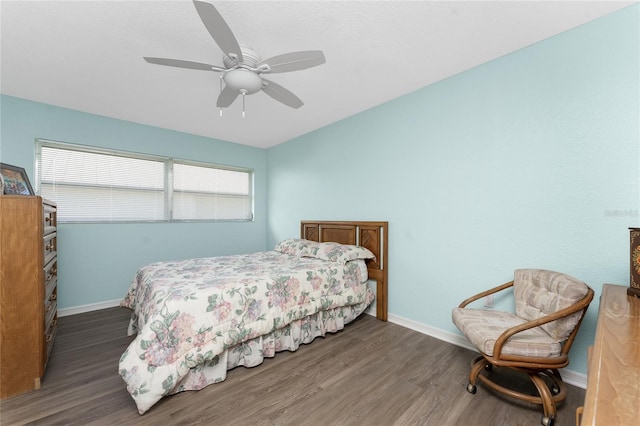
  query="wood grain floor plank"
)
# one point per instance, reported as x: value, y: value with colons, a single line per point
x: 371, y: 373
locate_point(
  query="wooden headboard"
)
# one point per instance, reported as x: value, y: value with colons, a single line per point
x: 371, y: 235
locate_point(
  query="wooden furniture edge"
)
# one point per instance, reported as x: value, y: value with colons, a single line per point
x: 613, y: 374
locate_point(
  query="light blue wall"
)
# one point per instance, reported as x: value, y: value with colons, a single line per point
x: 530, y: 160
x: 98, y: 261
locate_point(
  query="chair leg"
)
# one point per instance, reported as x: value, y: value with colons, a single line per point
x: 548, y: 404
x: 559, y: 390
x: 477, y: 365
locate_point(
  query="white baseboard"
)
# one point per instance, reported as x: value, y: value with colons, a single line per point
x: 88, y: 308
x: 574, y: 378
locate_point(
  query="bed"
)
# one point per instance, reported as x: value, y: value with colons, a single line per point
x: 195, y: 319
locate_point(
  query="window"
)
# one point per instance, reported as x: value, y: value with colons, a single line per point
x: 207, y: 192
x: 94, y: 185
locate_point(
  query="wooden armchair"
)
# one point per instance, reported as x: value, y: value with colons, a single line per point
x: 535, y: 340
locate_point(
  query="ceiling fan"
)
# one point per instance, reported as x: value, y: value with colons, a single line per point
x: 243, y: 68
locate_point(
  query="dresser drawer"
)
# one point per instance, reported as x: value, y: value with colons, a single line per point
x: 50, y: 278
x: 50, y: 312
x: 50, y: 295
x: 49, y: 339
x: 50, y: 247
x: 51, y: 298
x: 49, y: 220
x: 50, y: 333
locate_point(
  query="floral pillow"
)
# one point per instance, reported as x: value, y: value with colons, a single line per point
x: 340, y: 253
x: 295, y: 247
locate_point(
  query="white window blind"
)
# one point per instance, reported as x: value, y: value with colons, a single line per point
x: 205, y: 192
x: 91, y: 185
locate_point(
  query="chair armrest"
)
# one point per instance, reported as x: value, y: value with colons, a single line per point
x: 486, y: 293
x: 582, y: 304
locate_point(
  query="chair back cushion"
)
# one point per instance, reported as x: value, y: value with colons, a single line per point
x: 539, y: 292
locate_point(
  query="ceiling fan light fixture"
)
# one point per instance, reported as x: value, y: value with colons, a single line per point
x: 242, y: 65
x: 241, y: 79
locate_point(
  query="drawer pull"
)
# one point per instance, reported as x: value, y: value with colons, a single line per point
x: 51, y: 274
x: 48, y: 338
x: 47, y: 219
x: 53, y: 297
x: 49, y: 247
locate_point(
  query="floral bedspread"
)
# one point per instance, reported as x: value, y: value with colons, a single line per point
x: 185, y: 313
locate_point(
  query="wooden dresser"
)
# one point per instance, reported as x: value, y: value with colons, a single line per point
x: 28, y: 291
x: 613, y: 376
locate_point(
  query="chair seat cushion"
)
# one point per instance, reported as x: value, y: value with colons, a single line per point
x: 483, y: 327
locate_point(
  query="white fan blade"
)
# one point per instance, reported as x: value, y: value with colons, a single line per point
x: 218, y: 28
x: 183, y: 64
x: 226, y: 98
x: 295, y: 61
x: 281, y: 94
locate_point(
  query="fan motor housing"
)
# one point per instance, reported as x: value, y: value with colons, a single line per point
x: 249, y: 57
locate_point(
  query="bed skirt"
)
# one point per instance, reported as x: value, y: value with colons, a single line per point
x: 253, y: 352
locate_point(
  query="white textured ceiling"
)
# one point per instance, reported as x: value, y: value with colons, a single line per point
x: 87, y: 55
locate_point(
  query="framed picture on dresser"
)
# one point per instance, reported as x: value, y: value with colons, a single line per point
x: 15, y: 180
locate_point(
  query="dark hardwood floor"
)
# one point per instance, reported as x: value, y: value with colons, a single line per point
x: 371, y: 373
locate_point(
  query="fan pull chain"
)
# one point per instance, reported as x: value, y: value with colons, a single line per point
x: 244, y: 92
x: 220, y: 92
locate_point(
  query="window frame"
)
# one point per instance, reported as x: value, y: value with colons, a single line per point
x: 168, y: 190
